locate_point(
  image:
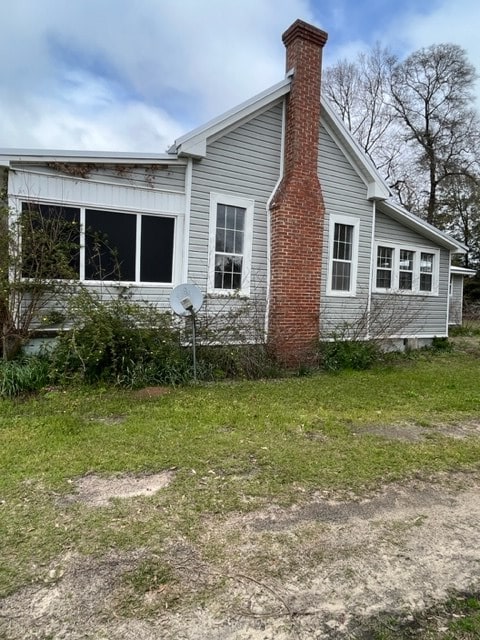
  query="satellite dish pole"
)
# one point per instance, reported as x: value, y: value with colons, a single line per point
x: 186, y: 300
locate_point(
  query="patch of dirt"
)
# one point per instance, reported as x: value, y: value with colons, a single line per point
x: 98, y: 491
x: 151, y: 392
x: 412, y: 432
x: 317, y: 570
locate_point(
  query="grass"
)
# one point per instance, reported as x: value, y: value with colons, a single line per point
x: 456, y: 619
x: 235, y: 446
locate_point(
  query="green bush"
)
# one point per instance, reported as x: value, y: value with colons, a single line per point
x: 348, y: 354
x: 119, y: 342
x: 24, y: 375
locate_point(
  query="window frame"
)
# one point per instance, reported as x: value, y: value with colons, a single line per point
x: 138, y: 224
x: 417, y: 251
x: 248, y: 204
x: 351, y: 222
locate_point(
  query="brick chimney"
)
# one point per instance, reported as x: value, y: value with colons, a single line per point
x: 297, y: 209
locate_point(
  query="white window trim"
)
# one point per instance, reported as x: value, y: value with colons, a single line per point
x: 177, y: 237
x: 248, y: 205
x: 417, y: 250
x: 355, y: 223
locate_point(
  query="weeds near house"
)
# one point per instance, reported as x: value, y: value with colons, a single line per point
x: 23, y: 376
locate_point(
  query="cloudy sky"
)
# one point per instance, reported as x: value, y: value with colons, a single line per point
x: 132, y: 75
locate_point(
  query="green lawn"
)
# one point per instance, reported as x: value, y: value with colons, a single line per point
x: 234, y: 446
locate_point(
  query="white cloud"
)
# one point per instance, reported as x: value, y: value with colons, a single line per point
x: 123, y: 75
x: 74, y: 72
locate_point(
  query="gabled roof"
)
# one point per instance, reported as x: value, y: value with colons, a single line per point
x: 195, y: 143
x: 410, y: 220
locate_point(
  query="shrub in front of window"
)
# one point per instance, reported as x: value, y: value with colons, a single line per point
x: 119, y: 342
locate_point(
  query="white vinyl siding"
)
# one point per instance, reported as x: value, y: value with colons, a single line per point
x: 420, y: 313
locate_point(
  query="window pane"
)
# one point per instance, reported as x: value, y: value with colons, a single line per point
x: 50, y: 241
x: 384, y: 257
x: 405, y: 280
x: 230, y: 218
x: 110, y: 241
x: 384, y: 279
x: 220, y: 240
x: 221, y: 215
x: 426, y: 262
x: 406, y: 260
x: 229, y: 240
x: 342, y: 242
x: 425, y: 282
x: 341, y: 276
x: 228, y: 272
x: 156, y: 253
x: 240, y: 219
x: 238, y: 242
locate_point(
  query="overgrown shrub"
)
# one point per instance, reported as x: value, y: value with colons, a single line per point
x: 248, y: 361
x: 27, y: 374
x: 348, y: 354
x: 119, y: 342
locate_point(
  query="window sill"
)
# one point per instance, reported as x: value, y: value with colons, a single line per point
x: 228, y: 294
x: 404, y: 292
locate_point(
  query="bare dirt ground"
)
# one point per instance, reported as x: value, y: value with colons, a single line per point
x: 321, y: 569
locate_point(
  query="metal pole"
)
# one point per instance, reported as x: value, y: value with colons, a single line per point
x: 194, y: 340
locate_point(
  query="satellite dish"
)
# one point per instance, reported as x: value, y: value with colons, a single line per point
x: 186, y: 299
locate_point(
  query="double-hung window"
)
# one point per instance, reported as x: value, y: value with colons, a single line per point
x: 343, y: 252
x: 231, y: 221
x: 406, y: 269
x: 93, y: 244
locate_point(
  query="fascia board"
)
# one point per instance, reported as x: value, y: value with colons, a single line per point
x: 422, y: 227
x: 195, y: 142
x: 10, y: 156
x: 462, y: 271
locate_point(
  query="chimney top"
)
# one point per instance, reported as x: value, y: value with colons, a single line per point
x: 305, y: 31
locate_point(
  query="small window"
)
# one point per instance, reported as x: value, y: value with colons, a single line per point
x: 384, y: 267
x: 230, y: 243
x: 343, y: 256
x: 426, y: 271
x: 230, y: 231
x: 405, y: 279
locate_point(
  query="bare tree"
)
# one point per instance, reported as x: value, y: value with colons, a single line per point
x: 359, y: 91
x: 431, y: 95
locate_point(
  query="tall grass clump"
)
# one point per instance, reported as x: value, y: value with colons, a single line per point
x: 24, y: 375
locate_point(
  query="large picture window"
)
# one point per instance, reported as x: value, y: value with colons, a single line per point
x: 343, y: 241
x: 230, y: 243
x: 101, y: 245
x: 407, y: 269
